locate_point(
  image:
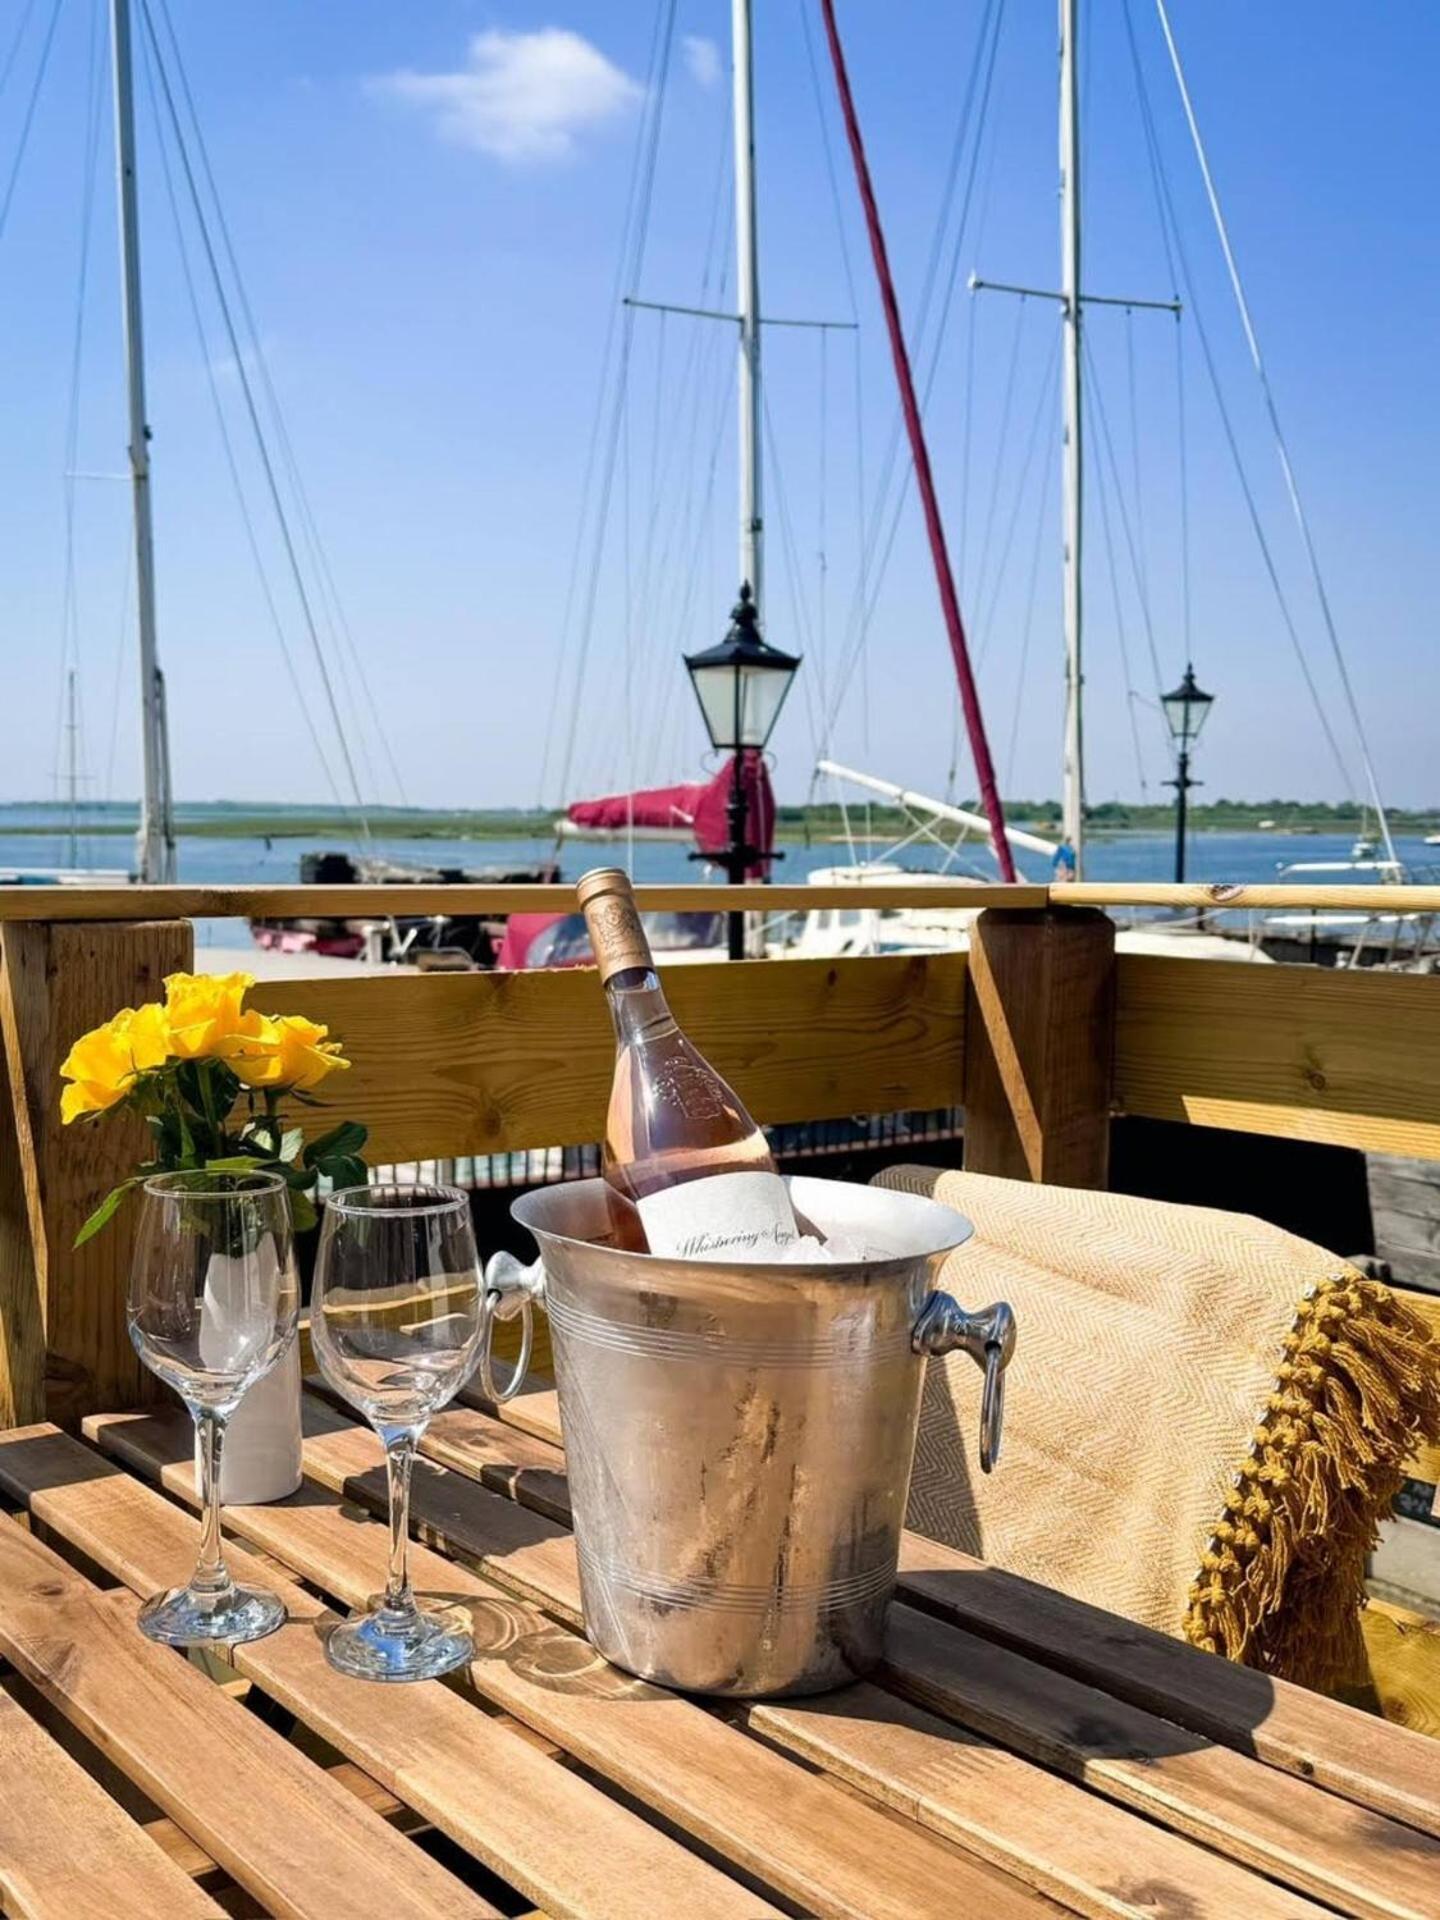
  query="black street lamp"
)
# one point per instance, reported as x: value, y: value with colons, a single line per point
x: 741, y: 686
x: 1186, y: 710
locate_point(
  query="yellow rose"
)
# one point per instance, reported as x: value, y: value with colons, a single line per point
x: 104, y: 1064
x: 205, y: 1015
x: 291, y: 1052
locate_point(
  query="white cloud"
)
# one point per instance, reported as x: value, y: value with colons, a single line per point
x: 702, y: 57
x: 521, y: 96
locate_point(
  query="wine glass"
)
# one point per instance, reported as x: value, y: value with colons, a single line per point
x: 213, y: 1305
x: 396, y: 1320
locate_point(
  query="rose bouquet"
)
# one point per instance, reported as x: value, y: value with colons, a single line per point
x: 212, y: 1080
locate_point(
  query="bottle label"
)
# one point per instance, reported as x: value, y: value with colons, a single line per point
x: 723, y: 1216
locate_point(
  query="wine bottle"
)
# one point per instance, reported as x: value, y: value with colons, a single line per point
x: 679, y: 1146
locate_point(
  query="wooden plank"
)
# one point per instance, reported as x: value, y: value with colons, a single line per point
x: 1207, y: 1794
x: 1040, y: 1016
x: 793, y: 1832
x: 1349, y: 1057
x: 22, y: 1295
x: 1355, y: 1755
x: 1403, y: 1650
x: 1095, y: 1857
x: 55, y: 984
x: 67, y: 1851
x: 1346, y: 1856
x: 1146, y: 893
x: 480, y: 1062
x: 471, y: 1774
x: 179, y: 1848
x: 1424, y: 1464
x: 57, y: 904
x: 258, y: 1807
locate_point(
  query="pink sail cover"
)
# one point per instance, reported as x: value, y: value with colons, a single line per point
x: 700, y: 806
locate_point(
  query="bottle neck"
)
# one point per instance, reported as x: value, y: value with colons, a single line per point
x: 637, y: 1006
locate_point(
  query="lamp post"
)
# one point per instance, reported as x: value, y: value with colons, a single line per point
x: 1186, y: 710
x: 741, y: 685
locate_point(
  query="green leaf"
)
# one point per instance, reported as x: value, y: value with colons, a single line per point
x: 302, y: 1211
x: 291, y: 1141
x: 237, y: 1163
x: 343, y: 1141
x: 106, y: 1210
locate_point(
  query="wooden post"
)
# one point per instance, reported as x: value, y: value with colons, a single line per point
x: 63, y: 1345
x: 1039, y: 1045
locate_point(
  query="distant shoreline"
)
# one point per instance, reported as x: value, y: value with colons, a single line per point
x: 821, y: 826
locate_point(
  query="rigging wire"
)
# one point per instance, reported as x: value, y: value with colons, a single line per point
x: 262, y: 448
x: 673, y: 572
x: 1292, y: 487
x: 28, y: 119
x: 627, y: 335
x: 1141, y: 543
x: 342, y: 636
x: 1120, y: 630
x: 1026, y: 628
x: 1006, y: 406
x: 1044, y: 404
x: 1170, y: 226
x: 875, y: 566
x: 15, y: 45
x: 1109, y: 449
x: 620, y: 319
x: 1184, y: 482
x: 89, y: 172
x: 226, y: 443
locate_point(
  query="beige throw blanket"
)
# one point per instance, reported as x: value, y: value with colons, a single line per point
x: 1205, y: 1418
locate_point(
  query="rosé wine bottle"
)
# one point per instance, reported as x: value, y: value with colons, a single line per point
x: 692, y: 1172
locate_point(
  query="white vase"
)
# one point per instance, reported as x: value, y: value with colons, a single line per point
x: 260, y: 1459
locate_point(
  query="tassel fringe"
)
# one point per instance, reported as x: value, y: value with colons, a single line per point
x: 1283, y: 1582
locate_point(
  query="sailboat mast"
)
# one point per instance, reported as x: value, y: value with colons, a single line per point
x: 155, y: 842
x: 748, y: 288
x: 1072, y: 474
x: 72, y: 768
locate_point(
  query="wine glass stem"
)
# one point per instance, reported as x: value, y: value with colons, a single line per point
x: 211, y: 1575
x: 399, y: 1458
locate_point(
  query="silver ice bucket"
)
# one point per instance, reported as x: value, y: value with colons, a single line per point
x: 739, y: 1437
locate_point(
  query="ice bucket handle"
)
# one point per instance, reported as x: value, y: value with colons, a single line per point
x: 510, y: 1288
x: 989, y: 1338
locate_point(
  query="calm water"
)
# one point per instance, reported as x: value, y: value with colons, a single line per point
x: 1138, y: 856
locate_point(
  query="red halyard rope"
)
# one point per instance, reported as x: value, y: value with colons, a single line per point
x: 919, y: 453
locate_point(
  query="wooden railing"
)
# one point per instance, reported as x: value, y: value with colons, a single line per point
x: 1037, y: 1030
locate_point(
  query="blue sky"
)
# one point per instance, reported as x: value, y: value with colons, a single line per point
x: 427, y: 205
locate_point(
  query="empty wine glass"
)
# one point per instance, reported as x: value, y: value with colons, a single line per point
x: 213, y: 1305
x: 396, y: 1320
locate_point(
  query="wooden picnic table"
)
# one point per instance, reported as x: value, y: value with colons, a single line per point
x: 1018, y: 1754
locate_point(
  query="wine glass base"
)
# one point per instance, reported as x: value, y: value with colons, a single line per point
x: 391, y: 1645
x: 185, y: 1618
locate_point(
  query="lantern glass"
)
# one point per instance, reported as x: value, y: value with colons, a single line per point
x: 742, y: 683
x: 1186, y: 710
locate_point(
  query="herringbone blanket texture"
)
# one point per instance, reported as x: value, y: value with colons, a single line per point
x: 1205, y: 1417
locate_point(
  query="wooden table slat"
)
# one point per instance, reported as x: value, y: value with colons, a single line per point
x: 278, y: 1825
x: 1095, y: 1857
x: 1370, y: 1761
x: 467, y: 1772
x: 1362, y: 1758
x: 67, y: 1851
x: 1354, y: 1858
x: 795, y: 1832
